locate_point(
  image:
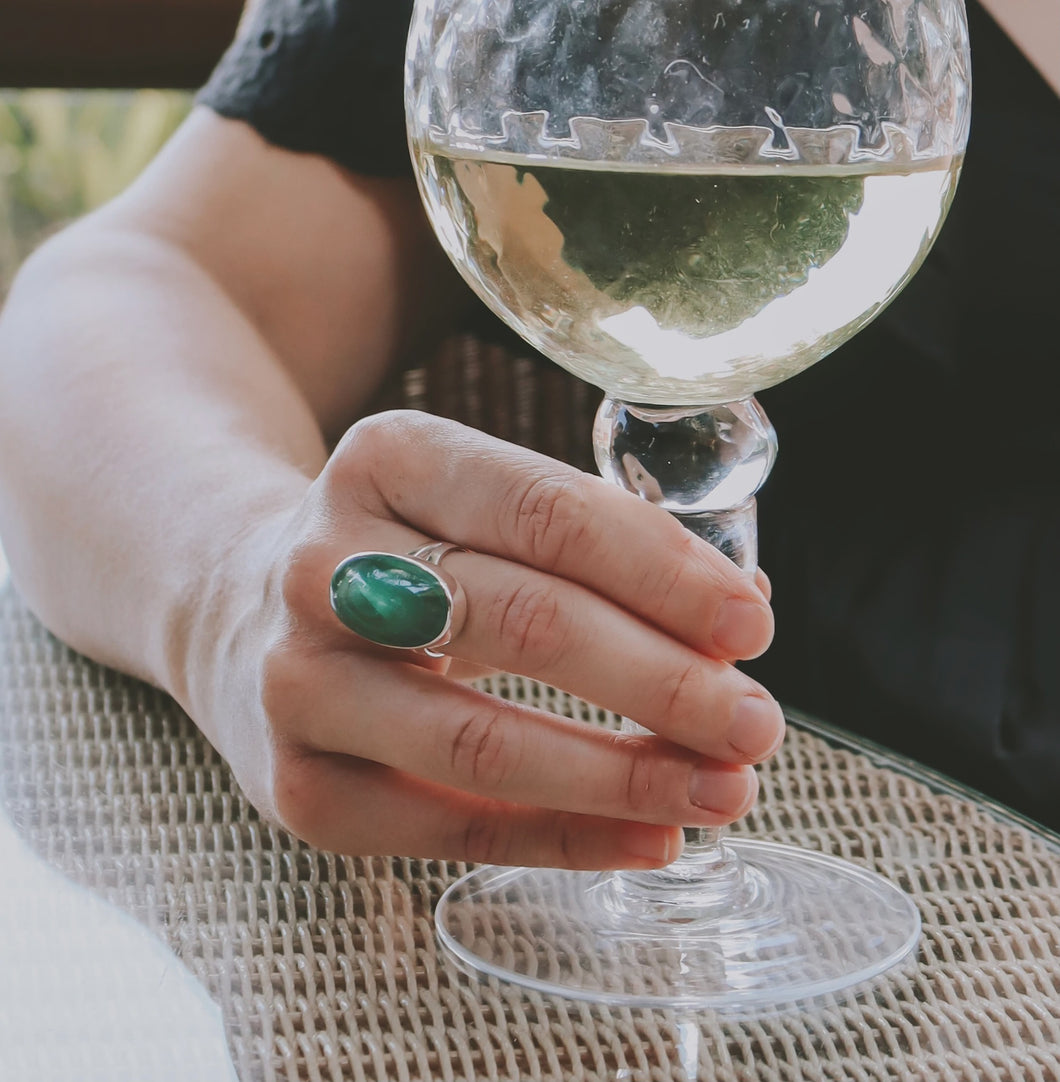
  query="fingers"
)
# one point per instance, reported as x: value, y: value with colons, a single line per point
x: 421, y: 723
x: 352, y: 806
x: 491, y: 497
x: 567, y: 580
x: 520, y: 620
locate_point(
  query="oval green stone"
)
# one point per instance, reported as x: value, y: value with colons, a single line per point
x: 390, y: 600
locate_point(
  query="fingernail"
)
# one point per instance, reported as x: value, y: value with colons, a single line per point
x: 742, y: 628
x: 727, y: 792
x: 757, y: 727
x: 651, y: 846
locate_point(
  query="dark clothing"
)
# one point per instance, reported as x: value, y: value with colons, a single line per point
x: 912, y: 524
x: 913, y: 521
x: 324, y: 76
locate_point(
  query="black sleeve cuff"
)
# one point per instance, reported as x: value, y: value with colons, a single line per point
x: 323, y: 77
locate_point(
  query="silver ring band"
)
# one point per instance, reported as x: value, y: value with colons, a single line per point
x: 435, y: 552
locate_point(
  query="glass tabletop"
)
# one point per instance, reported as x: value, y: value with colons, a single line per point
x: 156, y: 928
x: 939, y: 783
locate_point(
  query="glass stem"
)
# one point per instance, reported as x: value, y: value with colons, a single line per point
x: 704, y: 466
x: 734, y: 532
x: 701, y: 845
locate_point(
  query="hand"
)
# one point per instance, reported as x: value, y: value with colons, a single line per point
x: 365, y: 750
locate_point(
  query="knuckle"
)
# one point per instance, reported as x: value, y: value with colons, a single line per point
x: 296, y: 794
x: 361, y: 446
x: 663, y: 585
x: 568, y: 849
x: 640, y: 789
x: 283, y: 680
x: 553, y: 518
x: 483, y: 754
x: 682, y: 692
x: 371, y: 450
x: 685, y: 579
x: 299, y: 578
x: 375, y: 436
x: 556, y: 840
x: 489, y: 839
x: 532, y: 624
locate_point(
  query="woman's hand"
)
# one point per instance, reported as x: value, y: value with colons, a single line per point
x: 363, y: 749
x: 206, y: 333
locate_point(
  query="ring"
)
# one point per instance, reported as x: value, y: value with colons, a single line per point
x: 403, y: 602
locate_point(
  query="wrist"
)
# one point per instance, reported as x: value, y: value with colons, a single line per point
x: 207, y: 631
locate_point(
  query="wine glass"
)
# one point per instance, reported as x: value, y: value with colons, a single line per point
x: 684, y: 202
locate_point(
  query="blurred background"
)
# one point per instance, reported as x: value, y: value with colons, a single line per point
x: 63, y: 152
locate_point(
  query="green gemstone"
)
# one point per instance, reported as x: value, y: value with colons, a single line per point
x: 390, y: 600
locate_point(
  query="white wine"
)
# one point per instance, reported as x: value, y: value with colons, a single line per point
x: 693, y: 285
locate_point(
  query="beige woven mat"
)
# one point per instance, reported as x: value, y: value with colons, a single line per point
x: 326, y: 967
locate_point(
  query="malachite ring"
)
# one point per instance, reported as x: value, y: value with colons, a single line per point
x: 403, y: 602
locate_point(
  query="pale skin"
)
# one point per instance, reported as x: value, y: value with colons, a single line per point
x: 178, y: 481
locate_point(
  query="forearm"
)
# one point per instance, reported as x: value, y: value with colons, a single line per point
x: 145, y: 428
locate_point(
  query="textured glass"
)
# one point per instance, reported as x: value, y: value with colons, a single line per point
x: 685, y: 203
x: 723, y: 79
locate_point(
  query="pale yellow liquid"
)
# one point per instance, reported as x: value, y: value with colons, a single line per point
x: 690, y: 286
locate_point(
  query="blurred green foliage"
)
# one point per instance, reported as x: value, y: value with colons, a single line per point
x: 62, y: 153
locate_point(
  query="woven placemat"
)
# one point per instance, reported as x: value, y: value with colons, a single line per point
x: 326, y: 967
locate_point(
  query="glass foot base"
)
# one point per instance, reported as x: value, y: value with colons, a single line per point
x: 796, y: 925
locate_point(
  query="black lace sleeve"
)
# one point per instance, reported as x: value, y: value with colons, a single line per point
x: 320, y: 76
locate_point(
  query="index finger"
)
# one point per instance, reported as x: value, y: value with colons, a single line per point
x: 457, y: 484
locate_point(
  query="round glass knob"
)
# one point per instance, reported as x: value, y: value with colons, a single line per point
x: 687, y: 460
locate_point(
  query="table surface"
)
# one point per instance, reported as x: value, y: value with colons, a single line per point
x: 155, y: 929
